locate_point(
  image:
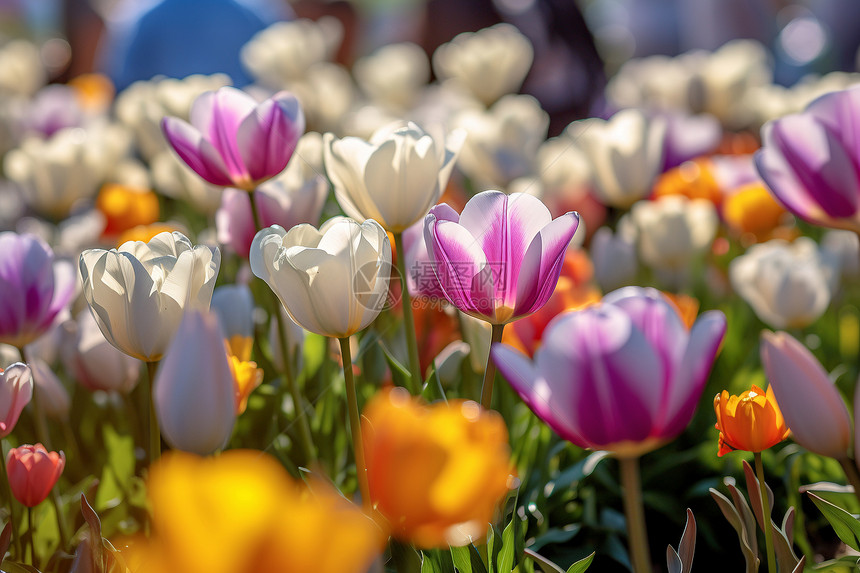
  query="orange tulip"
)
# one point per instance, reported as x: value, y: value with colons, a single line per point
x: 145, y: 233
x: 437, y: 473
x: 33, y: 472
x: 241, y: 513
x: 693, y: 179
x: 751, y: 422
x: 125, y: 208
x: 246, y: 376
x: 752, y: 210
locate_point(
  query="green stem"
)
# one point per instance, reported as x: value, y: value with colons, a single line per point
x: 765, y: 505
x: 13, y: 519
x: 634, y: 511
x: 305, y: 437
x: 354, y: 421
x: 849, y: 466
x: 408, y: 317
x: 154, y: 431
x: 254, y: 212
x: 33, y: 560
x: 490, y: 370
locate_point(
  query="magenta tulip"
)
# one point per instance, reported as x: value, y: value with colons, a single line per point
x: 809, y: 402
x: 624, y: 375
x: 500, y: 259
x: 811, y: 160
x: 233, y: 141
x: 34, y: 288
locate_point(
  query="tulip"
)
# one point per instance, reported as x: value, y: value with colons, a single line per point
x: 624, y: 375
x: 34, y: 288
x: 394, y: 76
x: 52, y: 397
x: 246, y: 378
x: 16, y: 391
x: 810, y: 161
x: 843, y: 246
x: 394, y: 178
x: 788, y: 285
x: 751, y: 421
x: 674, y: 231
x: 626, y: 154
x: 296, y: 196
x: 694, y: 179
x: 752, y: 210
x: 501, y: 258
x: 94, y: 362
x: 420, y: 274
x: 234, y: 305
x: 173, y: 178
x: 490, y: 63
x: 437, y: 473
x: 138, y: 292
x: 126, y: 207
x: 233, y: 141
x: 502, y: 142
x: 689, y: 136
x: 332, y: 281
x: 194, y: 392
x: 810, y: 403
x: 33, y: 471
x: 614, y: 258
x: 241, y: 512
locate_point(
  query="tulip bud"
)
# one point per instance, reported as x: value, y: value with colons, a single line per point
x: 16, y: 391
x: 194, y: 390
x: 33, y: 471
x: 614, y: 258
x: 810, y: 403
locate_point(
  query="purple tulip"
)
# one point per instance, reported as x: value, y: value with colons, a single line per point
x: 420, y: 277
x: 500, y: 259
x: 34, y: 288
x: 811, y: 160
x: 233, y: 141
x: 624, y: 375
x: 688, y: 137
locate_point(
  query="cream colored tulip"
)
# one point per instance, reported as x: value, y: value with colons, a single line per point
x: 673, y: 231
x: 626, y: 154
x: 394, y: 75
x: 394, y: 178
x: 332, y: 281
x: 788, y: 285
x: 139, y: 292
x: 490, y: 63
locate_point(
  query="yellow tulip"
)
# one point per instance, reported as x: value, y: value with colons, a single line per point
x: 437, y: 473
x: 125, y: 208
x: 751, y: 422
x: 241, y: 513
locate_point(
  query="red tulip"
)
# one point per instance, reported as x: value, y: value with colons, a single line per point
x: 33, y: 471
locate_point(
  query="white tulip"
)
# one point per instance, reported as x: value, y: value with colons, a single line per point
x: 54, y: 175
x: 843, y: 246
x: 332, y: 281
x: 21, y: 69
x: 93, y: 361
x: 673, y: 231
x: 490, y: 63
x: 285, y: 51
x: 139, y: 292
x: 394, y: 178
x: 788, y: 285
x: 614, y: 259
x: 626, y: 154
x: 502, y: 142
x: 193, y: 392
x: 394, y: 75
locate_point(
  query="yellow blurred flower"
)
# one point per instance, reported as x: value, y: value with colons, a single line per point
x: 693, y: 179
x: 686, y: 305
x: 126, y: 207
x: 145, y: 233
x: 95, y: 92
x: 246, y: 375
x: 242, y: 513
x: 751, y: 422
x: 752, y: 210
x: 437, y: 473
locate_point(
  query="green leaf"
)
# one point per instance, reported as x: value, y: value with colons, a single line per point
x: 494, y: 546
x: 581, y: 565
x: 398, y: 370
x: 846, y: 525
x: 545, y: 564
x: 467, y: 559
x: 427, y: 565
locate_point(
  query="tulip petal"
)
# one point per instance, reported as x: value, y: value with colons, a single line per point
x: 688, y: 381
x: 550, y: 399
x: 218, y: 115
x: 461, y: 267
x: 196, y: 152
x: 840, y: 112
x: 345, y: 162
x: 267, y: 136
x: 542, y: 263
